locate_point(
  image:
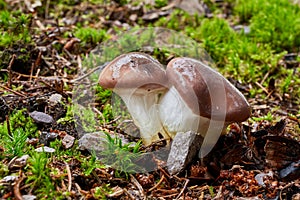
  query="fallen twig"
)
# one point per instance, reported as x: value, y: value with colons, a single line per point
x: 101, y: 115
x: 184, y: 187
x: 11, y: 62
x: 35, y: 64
x: 81, y: 192
x: 69, y: 176
x: 168, y: 196
x: 8, y: 125
x: 138, y: 185
x: 89, y: 73
x: 58, y: 90
x: 158, y: 183
x: 219, y: 194
x: 262, y: 87
x: 130, y: 195
x: 12, y: 91
x: 17, y: 192
x: 163, y: 171
x: 286, y: 186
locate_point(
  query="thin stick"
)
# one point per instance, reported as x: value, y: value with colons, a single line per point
x: 100, y: 113
x: 42, y: 77
x: 12, y: 91
x: 184, y: 187
x: 47, y: 9
x: 37, y: 73
x: 53, y: 88
x: 17, y: 192
x: 262, y: 87
x: 130, y: 195
x: 36, y: 63
x: 11, y: 62
x: 265, y: 77
x: 79, y: 61
x: 31, y: 72
x: 114, y: 120
x: 8, y: 125
x: 138, y: 185
x: 88, y: 73
x: 158, y: 183
x: 168, y: 196
x: 82, y: 192
x: 219, y: 194
x: 163, y: 171
x: 69, y: 176
x: 286, y: 186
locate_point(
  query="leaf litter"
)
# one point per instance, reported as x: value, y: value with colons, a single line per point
x: 257, y: 159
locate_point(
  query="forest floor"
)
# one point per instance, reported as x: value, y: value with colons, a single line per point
x: 51, y: 53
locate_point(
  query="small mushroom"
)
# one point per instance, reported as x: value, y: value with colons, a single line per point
x: 201, y: 100
x: 139, y: 80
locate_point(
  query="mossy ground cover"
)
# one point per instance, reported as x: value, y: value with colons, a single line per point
x: 44, y: 48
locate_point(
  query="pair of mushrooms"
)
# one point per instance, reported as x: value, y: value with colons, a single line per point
x: 186, y: 96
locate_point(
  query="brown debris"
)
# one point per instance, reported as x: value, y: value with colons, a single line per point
x: 257, y: 147
x: 281, y: 151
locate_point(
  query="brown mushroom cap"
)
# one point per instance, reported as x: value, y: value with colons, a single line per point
x: 133, y: 70
x: 206, y: 91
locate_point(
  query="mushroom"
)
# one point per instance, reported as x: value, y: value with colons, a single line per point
x: 139, y: 80
x: 200, y: 99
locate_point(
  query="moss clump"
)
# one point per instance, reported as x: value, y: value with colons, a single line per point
x: 14, y: 27
x: 276, y: 22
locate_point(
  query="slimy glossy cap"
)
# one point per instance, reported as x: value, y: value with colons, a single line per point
x: 133, y: 70
x: 206, y: 91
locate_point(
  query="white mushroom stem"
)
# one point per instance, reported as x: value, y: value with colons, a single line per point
x: 176, y: 116
x: 143, y: 107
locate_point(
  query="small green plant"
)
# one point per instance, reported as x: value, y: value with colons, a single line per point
x: 14, y: 27
x: 122, y: 2
x: 69, y: 117
x: 14, y: 144
x: 102, y: 191
x: 84, y: 117
x: 160, y: 3
x: 18, y: 119
x: 102, y: 95
x: 107, y: 112
x: 3, y: 170
x: 179, y: 20
x: 276, y: 22
x: 120, y: 156
x: 90, y: 35
x: 13, y: 137
x: 287, y: 81
x: 269, y: 117
x: 89, y: 164
x: 3, y: 5
x: 38, y: 175
x: 211, y: 191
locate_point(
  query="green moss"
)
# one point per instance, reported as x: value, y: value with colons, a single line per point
x: 38, y: 176
x: 247, y: 57
x: 120, y: 156
x: 13, y: 139
x: 179, y: 20
x: 90, y: 35
x: 102, y: 191
x: 268, y: 117
x: 15, y: 28
x: 160, y: 3
x: 276, y: 22
x: 3, y: 5
x: 4, y: 171
x: 90, y: 163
